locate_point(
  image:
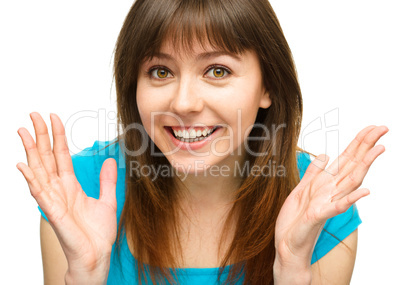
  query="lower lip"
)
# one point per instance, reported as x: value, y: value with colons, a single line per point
x: 192, y: 145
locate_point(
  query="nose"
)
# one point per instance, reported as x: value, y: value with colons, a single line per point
x: 187, y: 98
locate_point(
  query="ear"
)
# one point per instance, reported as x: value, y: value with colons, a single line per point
x: 265, y: 101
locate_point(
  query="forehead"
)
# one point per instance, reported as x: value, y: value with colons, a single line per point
x: 193, y: 49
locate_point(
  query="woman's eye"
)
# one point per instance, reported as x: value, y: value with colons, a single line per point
x: 159, y: 72
x: 217, y: 72
x: 162, y: 73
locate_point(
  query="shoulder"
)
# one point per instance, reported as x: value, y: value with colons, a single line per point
x: 88, y: 162
x: 340, y: 259
x: 303, y: 161
x: 336, y: 230
x: 95, y: 154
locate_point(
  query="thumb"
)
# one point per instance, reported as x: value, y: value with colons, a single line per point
x: 107, y: 181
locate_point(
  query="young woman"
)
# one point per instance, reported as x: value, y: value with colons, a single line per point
x: 206, y: 183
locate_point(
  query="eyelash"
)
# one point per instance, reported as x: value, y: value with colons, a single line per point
x: 149, y: 72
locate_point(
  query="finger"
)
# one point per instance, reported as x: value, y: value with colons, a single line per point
x: 43, y: 145
x: 315, y: 167
x: 60, y: 148
x: 368, y: 143
x: 355, y: 178
x: 40, y: 195
x: 342, y: 205
x: 340, y: 162
x: 353, y: 157
x: 33, y: 157
x: 107, y: 181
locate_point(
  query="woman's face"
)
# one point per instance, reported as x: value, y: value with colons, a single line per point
x: 184, y: 97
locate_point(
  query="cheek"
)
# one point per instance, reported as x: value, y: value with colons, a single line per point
x: 143, y: 109
x: 247, y: 113
x: 145, y: 114
x: 147, y: 101
x: 243, y: 105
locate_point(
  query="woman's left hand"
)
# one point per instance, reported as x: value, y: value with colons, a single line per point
x: 322, y: 194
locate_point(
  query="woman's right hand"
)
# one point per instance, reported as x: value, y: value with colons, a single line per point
x: 86, y: 227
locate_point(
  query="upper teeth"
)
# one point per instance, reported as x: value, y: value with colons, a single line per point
x: 191, y: 134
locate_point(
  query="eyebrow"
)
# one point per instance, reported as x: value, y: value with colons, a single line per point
x: 201, y: 56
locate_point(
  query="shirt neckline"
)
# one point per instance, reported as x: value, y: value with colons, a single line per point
x: 179, y: 271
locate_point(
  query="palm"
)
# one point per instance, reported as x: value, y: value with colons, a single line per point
x: 84, y: 224
x: 86, y: 227
x: 325, y: 192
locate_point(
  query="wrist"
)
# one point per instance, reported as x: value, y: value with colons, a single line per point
x: 97, y: 275
x: 292, y: 272
x: 85, y: 278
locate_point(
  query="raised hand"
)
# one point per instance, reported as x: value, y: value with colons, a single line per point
x: 86, y: 227
x: 324, y: 193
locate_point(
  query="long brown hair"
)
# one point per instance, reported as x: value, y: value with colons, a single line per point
x: 150, y: 211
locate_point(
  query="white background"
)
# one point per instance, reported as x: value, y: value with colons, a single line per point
x: 58, y: 56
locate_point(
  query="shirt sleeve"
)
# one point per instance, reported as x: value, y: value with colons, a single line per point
x: 336, y: 228
x: 87, y: 170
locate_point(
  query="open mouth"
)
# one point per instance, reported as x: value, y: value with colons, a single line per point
x: 192, y: 134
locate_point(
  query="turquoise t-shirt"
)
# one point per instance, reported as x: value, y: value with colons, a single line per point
x: 87, y: 165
